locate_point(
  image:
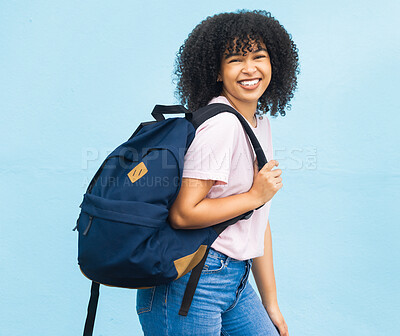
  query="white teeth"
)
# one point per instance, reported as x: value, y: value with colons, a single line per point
x: 249, y: 83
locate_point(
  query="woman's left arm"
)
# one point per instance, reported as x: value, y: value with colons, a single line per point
x: 263, y: 271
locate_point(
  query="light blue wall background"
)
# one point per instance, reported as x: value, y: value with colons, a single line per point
x: 77, y: 77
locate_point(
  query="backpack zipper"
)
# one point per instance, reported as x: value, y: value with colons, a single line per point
x: 89, y: 225
x: 77, y: 223
x: 97, y: 175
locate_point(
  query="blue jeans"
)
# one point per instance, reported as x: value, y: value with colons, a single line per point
x: 224, y: 304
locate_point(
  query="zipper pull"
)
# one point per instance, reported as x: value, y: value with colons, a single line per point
x: 89, y: 225
x: 77, y: 222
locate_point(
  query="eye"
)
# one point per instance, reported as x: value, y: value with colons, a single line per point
x: 234, y: 60
x: 260, y: 56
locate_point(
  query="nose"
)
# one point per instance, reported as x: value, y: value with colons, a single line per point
x: 249, y: 67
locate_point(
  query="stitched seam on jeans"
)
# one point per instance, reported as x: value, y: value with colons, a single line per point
x: 232, y: 306
x: 147, y: 309
x: 243, y: 281
x: 216, y: 257
x: 166, y: 308
x: 224, y: 332
x: 208, y: 271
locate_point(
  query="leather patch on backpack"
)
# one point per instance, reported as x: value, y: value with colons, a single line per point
x: 136, y: 173
x: 187, y: 263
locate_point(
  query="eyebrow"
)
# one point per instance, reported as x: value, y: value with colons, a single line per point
x: 238, y: 54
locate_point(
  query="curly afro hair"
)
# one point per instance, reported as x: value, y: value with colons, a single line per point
x: 199, y: 58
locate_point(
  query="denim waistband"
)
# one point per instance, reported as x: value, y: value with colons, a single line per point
x: 219, y: 255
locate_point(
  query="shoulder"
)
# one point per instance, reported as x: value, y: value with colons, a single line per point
x: 224, y: 122
x: 267, y: 122
x: 264, y: 122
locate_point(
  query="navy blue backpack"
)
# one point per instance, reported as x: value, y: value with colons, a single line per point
x: 125, y: 239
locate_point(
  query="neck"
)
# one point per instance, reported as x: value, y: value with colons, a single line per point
x: 247, y: 110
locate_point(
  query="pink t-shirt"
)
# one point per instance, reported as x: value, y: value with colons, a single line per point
x: 222, y: 151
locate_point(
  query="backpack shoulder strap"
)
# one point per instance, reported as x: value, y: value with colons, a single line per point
x: 91, y: 311
x: 197, y: 118
x: 212, y: 110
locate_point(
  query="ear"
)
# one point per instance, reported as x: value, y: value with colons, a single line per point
x: 219, y: 79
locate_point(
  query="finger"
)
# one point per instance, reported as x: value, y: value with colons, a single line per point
x: 276, y: 172
x: 269, y: 165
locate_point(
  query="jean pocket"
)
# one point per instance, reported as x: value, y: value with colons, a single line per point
x: 144, y: 300
x: 213, y: 265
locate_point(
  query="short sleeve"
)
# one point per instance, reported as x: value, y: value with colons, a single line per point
x: 209, y: 156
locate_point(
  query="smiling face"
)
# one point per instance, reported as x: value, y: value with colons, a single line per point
x: 245, y: 76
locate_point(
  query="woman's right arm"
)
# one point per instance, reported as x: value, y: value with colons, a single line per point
x: 192, y: 210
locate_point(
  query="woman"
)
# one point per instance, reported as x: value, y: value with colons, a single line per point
x: 246, y: 60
